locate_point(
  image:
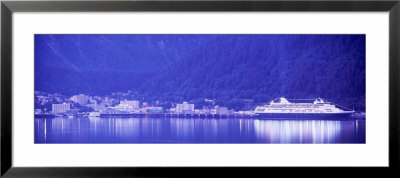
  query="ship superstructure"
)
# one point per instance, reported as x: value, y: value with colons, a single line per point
x: 318, y: 108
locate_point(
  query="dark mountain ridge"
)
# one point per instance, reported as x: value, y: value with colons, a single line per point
x: 228, y: 68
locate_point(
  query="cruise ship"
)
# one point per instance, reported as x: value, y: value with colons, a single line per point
x: 317, y: 108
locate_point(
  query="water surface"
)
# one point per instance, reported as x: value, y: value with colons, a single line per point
x: 192, y: 130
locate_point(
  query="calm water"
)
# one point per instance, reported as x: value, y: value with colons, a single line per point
x: 189, y: 130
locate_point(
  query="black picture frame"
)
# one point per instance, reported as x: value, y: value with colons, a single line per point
x: 8, y: 7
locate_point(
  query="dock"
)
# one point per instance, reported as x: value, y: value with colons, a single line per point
x: 174, y: 115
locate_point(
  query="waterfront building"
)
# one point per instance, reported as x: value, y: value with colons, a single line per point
x: 184, y: 108
x: 113, y: 111
x: 206, y: 110
x: 72, y: 111
x: 60, y: 108
x: 80, y: 99
x: 172, y: 110
x: 221, y: 110
x: 152, y: 110
x: 133, y: 103
x: 124, y: 107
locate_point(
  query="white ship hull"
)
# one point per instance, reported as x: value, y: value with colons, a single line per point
x: 304, y: 115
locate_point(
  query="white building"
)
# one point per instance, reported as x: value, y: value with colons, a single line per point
x: 152, y: 110
x: 220, y: 110
x: 123, y: 107
x: 172, y: 110
x: 80, y: 99
x: 206, y: 110
x: 133, y: 103
x: 185, y: 107
x: 60, y: 108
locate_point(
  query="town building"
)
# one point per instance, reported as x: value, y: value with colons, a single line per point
x: 43, y: 99
x: 152, y: 110
x: 80, y: 99
x: 123, y: 107
x: 113, y: 111
x: 184, y: 108
x: 206, y: 110
x: 220, y: 110
x: 133, y: 103
x: 72, y: 111
x: 60, y: 108
x: 172, y: 110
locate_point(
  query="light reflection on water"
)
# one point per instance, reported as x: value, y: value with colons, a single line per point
x: 191, y: 130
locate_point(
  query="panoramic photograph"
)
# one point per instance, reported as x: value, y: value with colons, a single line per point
x: 200, y: 89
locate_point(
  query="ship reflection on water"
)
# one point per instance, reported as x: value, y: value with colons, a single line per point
x: 192, y: 130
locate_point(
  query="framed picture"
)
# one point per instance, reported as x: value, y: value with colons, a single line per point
x: 136, y: 88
